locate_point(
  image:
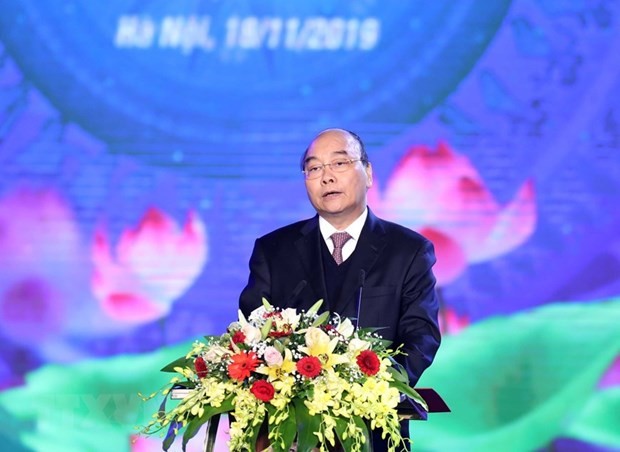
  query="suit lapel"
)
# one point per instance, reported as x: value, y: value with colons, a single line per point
x: 309, y: 248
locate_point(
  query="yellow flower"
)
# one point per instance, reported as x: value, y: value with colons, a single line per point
x: 280, y: 401
x: 216, y: 391
x: 285, y: 385
x: 279, y: 371
x: 321, y: 400
x: 319, y: 344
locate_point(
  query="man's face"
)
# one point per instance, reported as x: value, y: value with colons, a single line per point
x: 338, y: 197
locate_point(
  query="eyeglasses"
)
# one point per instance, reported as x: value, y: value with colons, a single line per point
x: 315, y: 171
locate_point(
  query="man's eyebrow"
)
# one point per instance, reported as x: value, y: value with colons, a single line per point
x: 307, y: 159
x: 312, y: 157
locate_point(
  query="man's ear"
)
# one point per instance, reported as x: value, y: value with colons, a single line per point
x: 368, y: 175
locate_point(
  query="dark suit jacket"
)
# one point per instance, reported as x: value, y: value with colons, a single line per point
x: 398, y: 292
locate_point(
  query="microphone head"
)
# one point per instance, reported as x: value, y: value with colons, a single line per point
x: 362, y: 277
x: 297, y: 291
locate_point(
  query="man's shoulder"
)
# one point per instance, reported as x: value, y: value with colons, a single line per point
x: 401, y: 233
x: 290, y: 231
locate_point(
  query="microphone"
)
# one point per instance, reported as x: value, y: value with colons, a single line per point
x: 362, y: 279
x: 298, y: 288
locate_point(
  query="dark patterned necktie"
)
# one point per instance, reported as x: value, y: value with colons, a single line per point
x: 339, y: 239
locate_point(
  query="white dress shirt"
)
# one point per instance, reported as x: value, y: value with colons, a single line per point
x: 354, y: 230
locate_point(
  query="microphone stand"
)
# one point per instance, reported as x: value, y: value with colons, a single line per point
x: 362, y: 279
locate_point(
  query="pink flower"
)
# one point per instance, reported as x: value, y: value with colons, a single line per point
x: 42, y: 267
x: 154, y: 264
x: 450, y: 322
x: 139, y: 443
x: 441, y: 195
x: 272, y: 356
x: 611, y: 377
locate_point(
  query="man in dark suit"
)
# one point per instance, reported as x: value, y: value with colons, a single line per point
x: 303, y: 262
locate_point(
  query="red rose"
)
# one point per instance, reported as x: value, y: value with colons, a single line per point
x: 242, y: 365
x: 309, y: 366
x: 238, y: 337
x: 262, y: 390
x: 201, y: 367
x: 369, y: 362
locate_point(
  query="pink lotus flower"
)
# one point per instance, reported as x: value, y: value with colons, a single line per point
x: 154, y: 264
x: 442, y: 196
x: 138, y: 443
x: 41, y: 266
x: 450, y: 322
x: 611, y: 377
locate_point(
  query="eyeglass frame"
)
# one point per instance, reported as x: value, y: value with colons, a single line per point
x: 322, y: 166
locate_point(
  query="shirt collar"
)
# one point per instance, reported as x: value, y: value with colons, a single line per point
x: 354, y: 229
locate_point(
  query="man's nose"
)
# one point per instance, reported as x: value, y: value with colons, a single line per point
x: 328, y: 176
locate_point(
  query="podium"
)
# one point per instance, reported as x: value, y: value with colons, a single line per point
x: 407, y: 410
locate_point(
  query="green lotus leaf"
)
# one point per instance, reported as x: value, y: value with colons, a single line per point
x: 599, y: 420
x: 514, y: 383
x: 91, y: 405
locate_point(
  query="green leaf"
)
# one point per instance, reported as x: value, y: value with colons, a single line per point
x: 264, y: 331
x: 180, y: 362
x: 212, y: 432
x: 306, y: 426
x: 266, y: 304
x: 410, y: 392
x: 255, y: 431
x: 385, y: 343
x: 194, y: 425
x: 287, y: 429
x: 367, y: 446
x: 279, y: 346
x: 241, y: 316
x: 418, y: 398
x: 320, y: 320
x: 192, y: 428
x: 399, y: 373
x: 170, y: 437
x: 341, y: 428
x: 315, y: 307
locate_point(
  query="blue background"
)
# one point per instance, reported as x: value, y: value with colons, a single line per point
x: 525, y: 90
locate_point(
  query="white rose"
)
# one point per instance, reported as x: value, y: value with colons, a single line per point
x: 346, y: 328
x: 315, y: 337
x: 357, y: 345
x: 252, y: 334
x: 290, y: 316
x: 214, y: 353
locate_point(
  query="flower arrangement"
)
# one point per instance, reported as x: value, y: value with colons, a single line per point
x: 312, y: 378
